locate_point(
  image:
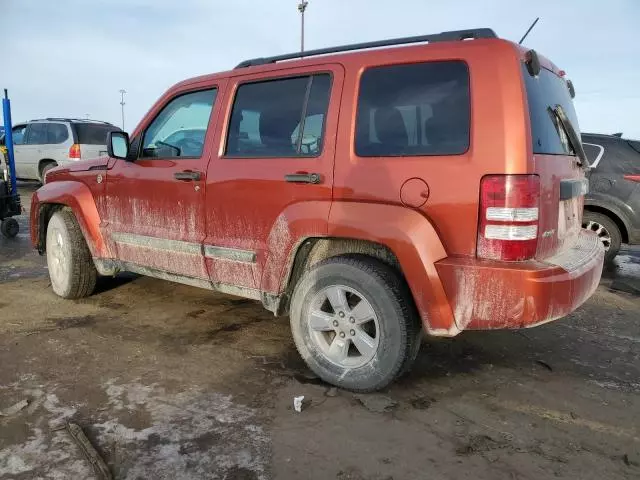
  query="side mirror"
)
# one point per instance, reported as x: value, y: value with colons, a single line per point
x: 118, y: 144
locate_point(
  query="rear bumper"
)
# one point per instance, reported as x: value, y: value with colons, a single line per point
x: 492, y: 295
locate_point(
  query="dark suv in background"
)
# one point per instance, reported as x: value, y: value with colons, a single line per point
x: 612, y: 206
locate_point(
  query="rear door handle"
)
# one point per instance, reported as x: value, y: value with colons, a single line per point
x: 303, y: 178
x: 187, y: 176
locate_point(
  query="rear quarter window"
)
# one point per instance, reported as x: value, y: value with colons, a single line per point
x: 635, y: 144
x: 618, y: 158
x: 594, y: 152
x: 93, y: 134
x: 545, y: 92
x: 414, y: 109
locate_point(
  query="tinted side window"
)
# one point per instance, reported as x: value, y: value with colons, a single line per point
x: 635, y: 145
x: 619, y: 158
x: 279, y: 118
x: 593, y: 152
x: 18, y: 134
x: 37, y: 133
x: 57, y: 133
x: 545, y: 92
x: 190, y: 111
x: 92, y: 133
x: 312, y: 124
x: 416, y: 109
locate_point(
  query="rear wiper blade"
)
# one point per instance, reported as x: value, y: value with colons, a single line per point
x: 576, y: 143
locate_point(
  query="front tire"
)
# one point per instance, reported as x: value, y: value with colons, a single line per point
x: 71, y: 268
x: 607, y: 231
x: 354, y: 323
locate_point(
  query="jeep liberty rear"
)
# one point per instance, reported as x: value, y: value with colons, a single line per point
x: 371, y: 195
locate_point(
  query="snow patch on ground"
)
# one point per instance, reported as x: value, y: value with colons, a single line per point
x: 144, y: 432
x: 48, y: 453
x: 617, y: 385
x: 193, y: 434
x: 628, y: 266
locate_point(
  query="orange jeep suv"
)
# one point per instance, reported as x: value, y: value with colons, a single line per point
x: 371, y: 192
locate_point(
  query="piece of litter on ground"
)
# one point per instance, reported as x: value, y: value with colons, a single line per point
x: 297, y: 403
x: 90, y: 453
x: 13, y: 409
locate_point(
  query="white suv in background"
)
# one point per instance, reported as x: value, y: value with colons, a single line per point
x: 40, y: 145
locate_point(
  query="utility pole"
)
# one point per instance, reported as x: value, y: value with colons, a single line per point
x: 122, y: 92
x: 302, y: 6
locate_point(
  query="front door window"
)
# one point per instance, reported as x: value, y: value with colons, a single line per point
x: 179, y: 129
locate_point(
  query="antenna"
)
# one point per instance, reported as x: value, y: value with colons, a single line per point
x: 527, y: 32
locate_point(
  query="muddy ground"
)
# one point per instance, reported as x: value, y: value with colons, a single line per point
x: 172, y: 382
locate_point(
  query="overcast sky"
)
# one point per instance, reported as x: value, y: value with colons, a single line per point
x: 71, y: 57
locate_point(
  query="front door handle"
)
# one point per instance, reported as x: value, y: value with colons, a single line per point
x: 303, y: 178
x: 187, y: 176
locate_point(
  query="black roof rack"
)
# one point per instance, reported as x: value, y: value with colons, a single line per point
x: 436, y: 37
x: 67, y: 119
x: 594, y: 134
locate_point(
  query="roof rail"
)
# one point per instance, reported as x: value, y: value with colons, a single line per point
x: 436, y: 37
x: 68, y: 119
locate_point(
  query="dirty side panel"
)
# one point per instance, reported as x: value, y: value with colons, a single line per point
x: 153, y: 220
x: 438, y: 175
x: 250, y: 205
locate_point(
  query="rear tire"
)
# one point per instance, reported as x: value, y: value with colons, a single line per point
x: 71, y: 268
x: 606, y: 229
x: 354, y: 323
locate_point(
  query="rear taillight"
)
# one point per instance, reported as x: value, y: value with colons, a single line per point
x: 74, y: 151
x: 633, y: 178
x: 509, y: 212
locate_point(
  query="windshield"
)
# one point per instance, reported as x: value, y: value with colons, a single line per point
x: 545, y: 93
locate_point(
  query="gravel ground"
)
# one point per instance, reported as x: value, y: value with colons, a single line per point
x: 173, y: 382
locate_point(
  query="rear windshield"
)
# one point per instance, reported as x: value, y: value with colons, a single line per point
x: 544, y: 93
x: 92, y: 133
